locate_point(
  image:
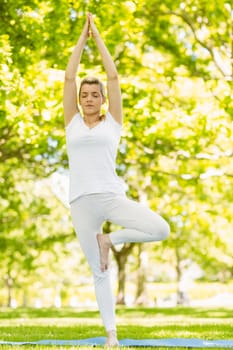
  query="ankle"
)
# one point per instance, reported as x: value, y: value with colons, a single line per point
x: 108, y: 241
x: 112, y: 332
x: 112, y: 338
x: 105, y: 238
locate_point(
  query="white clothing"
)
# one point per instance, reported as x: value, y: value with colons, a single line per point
x: 97, y: 194
x: 140, y: 223
x: 92, y: 157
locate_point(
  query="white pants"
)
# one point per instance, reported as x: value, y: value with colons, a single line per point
x: 140, y: 225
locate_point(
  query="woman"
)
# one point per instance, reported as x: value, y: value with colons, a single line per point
x: 96, y: 192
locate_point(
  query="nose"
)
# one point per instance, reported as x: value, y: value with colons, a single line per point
x: 89, y: 97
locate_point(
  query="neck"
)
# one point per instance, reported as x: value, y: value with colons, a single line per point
x: 92, y: 118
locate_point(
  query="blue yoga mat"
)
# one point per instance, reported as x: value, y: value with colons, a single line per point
x: 169, y: 342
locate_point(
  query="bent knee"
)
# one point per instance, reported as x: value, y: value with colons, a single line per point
x: 165, y: 230
x: 161, y: 230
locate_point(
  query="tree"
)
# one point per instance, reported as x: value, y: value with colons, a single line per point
x: 175, y: 64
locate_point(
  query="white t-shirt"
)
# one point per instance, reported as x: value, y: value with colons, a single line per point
x: 92, y: 157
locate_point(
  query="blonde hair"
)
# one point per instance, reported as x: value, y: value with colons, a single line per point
x: 92, y: 81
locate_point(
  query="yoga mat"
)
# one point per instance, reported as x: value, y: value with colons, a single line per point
x: 169, y: 342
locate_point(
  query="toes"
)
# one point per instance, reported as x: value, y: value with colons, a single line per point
x: 103, y: 267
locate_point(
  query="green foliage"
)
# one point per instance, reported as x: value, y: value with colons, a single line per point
x: 175, y: 64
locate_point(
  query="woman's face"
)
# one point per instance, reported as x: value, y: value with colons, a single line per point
x: 91, y: 99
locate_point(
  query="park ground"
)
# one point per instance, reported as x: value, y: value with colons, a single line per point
x: 23, y: 324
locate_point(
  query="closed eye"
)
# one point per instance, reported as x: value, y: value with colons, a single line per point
x: 95, y: 94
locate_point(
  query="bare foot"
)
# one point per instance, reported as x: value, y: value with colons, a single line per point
x: 104, y: 246
x: 112, y: 339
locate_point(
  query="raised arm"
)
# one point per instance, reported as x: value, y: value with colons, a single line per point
x: 113, y: 86
x: 70, y: 88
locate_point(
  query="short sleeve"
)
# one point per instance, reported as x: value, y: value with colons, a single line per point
x: 73, y: 120
x: 113, y: 121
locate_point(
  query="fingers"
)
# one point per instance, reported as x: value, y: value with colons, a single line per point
x: 93, y: 31
x: 89, y: 16
x: 86, y: 28
x: 89, y: 24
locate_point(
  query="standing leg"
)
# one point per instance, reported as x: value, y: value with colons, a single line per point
x: 87, y: 221
x: 141, y: 225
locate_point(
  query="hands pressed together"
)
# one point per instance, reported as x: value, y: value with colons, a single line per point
x: 90, y: 29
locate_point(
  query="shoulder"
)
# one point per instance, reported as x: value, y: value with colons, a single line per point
x: 76, y: 119
x: 113, y: 121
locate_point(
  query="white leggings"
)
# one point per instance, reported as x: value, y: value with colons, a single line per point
x: 141, y: 225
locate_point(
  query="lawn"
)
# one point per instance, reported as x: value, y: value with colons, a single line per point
x: 135, y: 323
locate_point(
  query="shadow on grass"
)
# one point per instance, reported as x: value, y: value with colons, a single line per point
x: 177, y: 311
x: 208, y: 313
x: 35, y: 332
x: 6, y: 313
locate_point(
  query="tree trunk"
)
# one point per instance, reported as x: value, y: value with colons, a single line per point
x: 179, y: 292
x: 121, y: 262
x: 9, y: 286
x: 25, y: 299
x: 121, y: 257
x: 141, y: 297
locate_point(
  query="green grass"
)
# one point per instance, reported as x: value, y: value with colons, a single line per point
x: 137, y: 323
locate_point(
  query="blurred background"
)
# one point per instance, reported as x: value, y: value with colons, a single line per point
x: 175, y: 62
